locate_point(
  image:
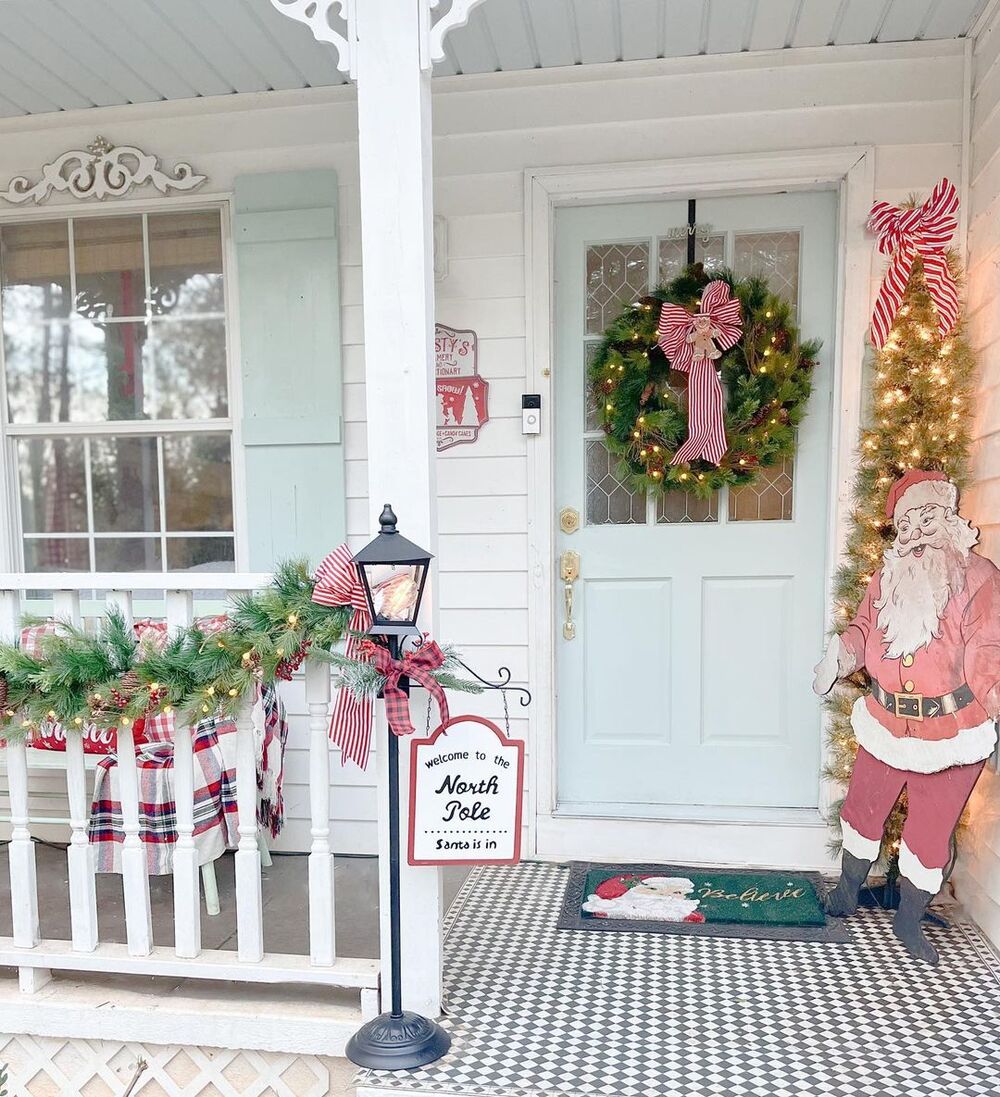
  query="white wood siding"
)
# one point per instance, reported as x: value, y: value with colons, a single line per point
x: 977, y: 877
x: 904, y: 99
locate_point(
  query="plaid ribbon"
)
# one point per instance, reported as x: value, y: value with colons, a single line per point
x: 338, y: 584
x: 903, y: 234
x: 679, y: 332
x: 417, y: 665
x: 32, y: 637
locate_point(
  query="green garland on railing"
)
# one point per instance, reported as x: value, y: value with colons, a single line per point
x: 106, y: 677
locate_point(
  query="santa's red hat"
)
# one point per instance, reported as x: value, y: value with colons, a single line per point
x: 918, y: 488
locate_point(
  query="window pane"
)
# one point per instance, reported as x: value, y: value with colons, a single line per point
x: 56, y: 554
x: 200, y: 554
x: 36, y: 358
x: 609, y: 501
x: 682, y: 508
x: 710, y: 251
x: 767, y: 499
x: 128, y: 554
x: 198, y: 478
x: 186, y: 370
x: 110, y: 278
x: 617, y: 274
x: 106, y: 375
x: 185, y: 263
x: 53, y: 485
x: 770, y: 255
x: 125, y: 484
x: 36, y: 284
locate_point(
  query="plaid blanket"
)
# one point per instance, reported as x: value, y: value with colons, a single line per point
x: 215, y: 813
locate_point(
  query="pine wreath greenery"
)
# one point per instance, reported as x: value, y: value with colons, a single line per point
x: 107, y: 678
x: 767, y: 377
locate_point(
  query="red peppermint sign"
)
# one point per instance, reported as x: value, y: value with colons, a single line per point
x: 462, y: 395
x: 466, y: 792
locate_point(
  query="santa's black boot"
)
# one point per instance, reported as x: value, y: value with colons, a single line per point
x: 843, y: 900
x: 912, y: 905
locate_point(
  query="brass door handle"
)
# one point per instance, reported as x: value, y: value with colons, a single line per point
x: 569, y: 572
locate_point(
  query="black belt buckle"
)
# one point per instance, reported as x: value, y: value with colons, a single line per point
x: 910, y: 705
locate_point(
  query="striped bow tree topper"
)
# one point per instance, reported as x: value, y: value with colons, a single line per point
x: 338, y: 584
x: 692, y: 343
x: 903, y: 234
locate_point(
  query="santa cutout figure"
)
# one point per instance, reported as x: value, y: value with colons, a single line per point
x: 928, y: 634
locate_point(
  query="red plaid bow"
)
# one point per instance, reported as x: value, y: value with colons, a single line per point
x: 691, y: 344
x: 418, y: 666
x: 903, y: 234
x: 338, y: 584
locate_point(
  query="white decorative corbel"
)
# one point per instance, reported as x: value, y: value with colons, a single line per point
x: 316, y: 16
x: 101, y: 170
x: 432, y: 44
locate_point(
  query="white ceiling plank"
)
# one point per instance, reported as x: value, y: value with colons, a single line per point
x: 682, y: 26
x: 511, y: 34
x: 904, y: 20
x: 770, y: 25
x: 473, y: 48
x: 48, y: 54
x: 550, y: 20
x: 35, y: 89
x: 238, y: 20
x: 598, y: 30
x: 107, y: 43
x: 315, y: 61
x: 642, y: 28
x: 727, y: 25
x: 953, y: 18
x: 219, y: 40
x: 859, y: 22
x: 815, y: 24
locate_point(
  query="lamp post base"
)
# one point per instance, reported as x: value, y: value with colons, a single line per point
x: 398, y: 1043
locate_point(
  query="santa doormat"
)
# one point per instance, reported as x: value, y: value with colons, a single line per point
x: 765, y: 905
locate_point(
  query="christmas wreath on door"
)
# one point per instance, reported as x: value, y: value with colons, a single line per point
x: 748, y: 382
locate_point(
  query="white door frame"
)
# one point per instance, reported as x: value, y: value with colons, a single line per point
x: 780, y: 838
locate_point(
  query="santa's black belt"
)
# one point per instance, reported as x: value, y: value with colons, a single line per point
x: 915, y: 706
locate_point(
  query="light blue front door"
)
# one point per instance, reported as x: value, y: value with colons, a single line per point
x: 687, y: 684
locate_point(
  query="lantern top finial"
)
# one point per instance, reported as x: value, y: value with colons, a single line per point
x: 387, y: 520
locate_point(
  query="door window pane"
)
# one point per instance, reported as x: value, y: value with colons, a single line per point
x: 609, y: 501
x: 680, y: 508
x: 198, y: 473
x: 770, y: 255
x: 53, y: 485
x: 767, y: 499
x: 125, y: 481
x: 617, y: 274
x: 673, y: 255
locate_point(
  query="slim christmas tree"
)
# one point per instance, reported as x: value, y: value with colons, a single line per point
x: 918, y: 418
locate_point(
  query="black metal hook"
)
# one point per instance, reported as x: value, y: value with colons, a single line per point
x: 503, y: 685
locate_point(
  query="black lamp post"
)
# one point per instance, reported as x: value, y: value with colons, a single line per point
x: 393, y: 572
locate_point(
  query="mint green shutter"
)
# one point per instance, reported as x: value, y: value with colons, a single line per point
x: 285, y: 229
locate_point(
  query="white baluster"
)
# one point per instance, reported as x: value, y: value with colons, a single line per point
x: 187, y: 904
x: 21, y: 851
x: 322, y: 933
x: 79, y: 854
x: 249, y: 903
x: 135, y: 880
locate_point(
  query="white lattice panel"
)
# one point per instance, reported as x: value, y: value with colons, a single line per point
x: 52, y: 1067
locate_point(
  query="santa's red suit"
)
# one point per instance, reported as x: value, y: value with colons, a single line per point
x: 928, y: 723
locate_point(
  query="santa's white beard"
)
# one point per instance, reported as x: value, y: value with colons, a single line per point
x: 914, y: 593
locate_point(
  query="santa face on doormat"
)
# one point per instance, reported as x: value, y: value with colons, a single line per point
x: 928, y: 634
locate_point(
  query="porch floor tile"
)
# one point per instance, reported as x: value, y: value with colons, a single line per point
x: 534, y: 1010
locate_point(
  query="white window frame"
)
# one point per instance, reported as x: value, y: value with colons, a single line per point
x: 12, y: 541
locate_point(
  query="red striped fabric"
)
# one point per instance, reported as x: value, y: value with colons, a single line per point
x: 903, y: 234
x: 706, y: 438
x: 338, y: 584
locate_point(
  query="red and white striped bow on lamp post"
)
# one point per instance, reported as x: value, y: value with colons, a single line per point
x: 692, y: 343
x: 903, y: 234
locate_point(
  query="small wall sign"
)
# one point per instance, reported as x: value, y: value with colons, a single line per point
x: 466, y: 793
x: 462, y: 395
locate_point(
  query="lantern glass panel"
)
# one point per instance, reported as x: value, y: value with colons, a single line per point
x: 395, y: 591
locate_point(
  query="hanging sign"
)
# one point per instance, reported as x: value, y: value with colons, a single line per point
x: 462, y: 395
x: 466, y: 792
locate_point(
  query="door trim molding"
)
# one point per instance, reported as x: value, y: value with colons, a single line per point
x: 851, y: 170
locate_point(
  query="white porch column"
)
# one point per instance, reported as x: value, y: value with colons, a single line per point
x: 394, y: 124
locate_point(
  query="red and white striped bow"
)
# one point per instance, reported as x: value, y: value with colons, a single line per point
x: 338, y: 584
x: 903, y: 234
x: 692, y: 343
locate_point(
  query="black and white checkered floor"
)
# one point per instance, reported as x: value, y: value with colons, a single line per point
x: 535, y: 1010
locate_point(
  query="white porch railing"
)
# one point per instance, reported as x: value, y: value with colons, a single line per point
x: 171, y: 597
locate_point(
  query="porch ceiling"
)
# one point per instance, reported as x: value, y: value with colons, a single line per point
x: 70, y: 54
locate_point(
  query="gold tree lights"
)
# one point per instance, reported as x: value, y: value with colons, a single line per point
x: 918, y: 417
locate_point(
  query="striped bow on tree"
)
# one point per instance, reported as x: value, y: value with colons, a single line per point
x: 904, y: 234
x: 691, y: 344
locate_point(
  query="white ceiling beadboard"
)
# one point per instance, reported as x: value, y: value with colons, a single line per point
x: 70, y: 54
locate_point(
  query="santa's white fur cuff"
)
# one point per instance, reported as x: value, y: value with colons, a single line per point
x: 919, y: 875
x: 943, y: 493
x: 921, y: 755
x: 856, y: 844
